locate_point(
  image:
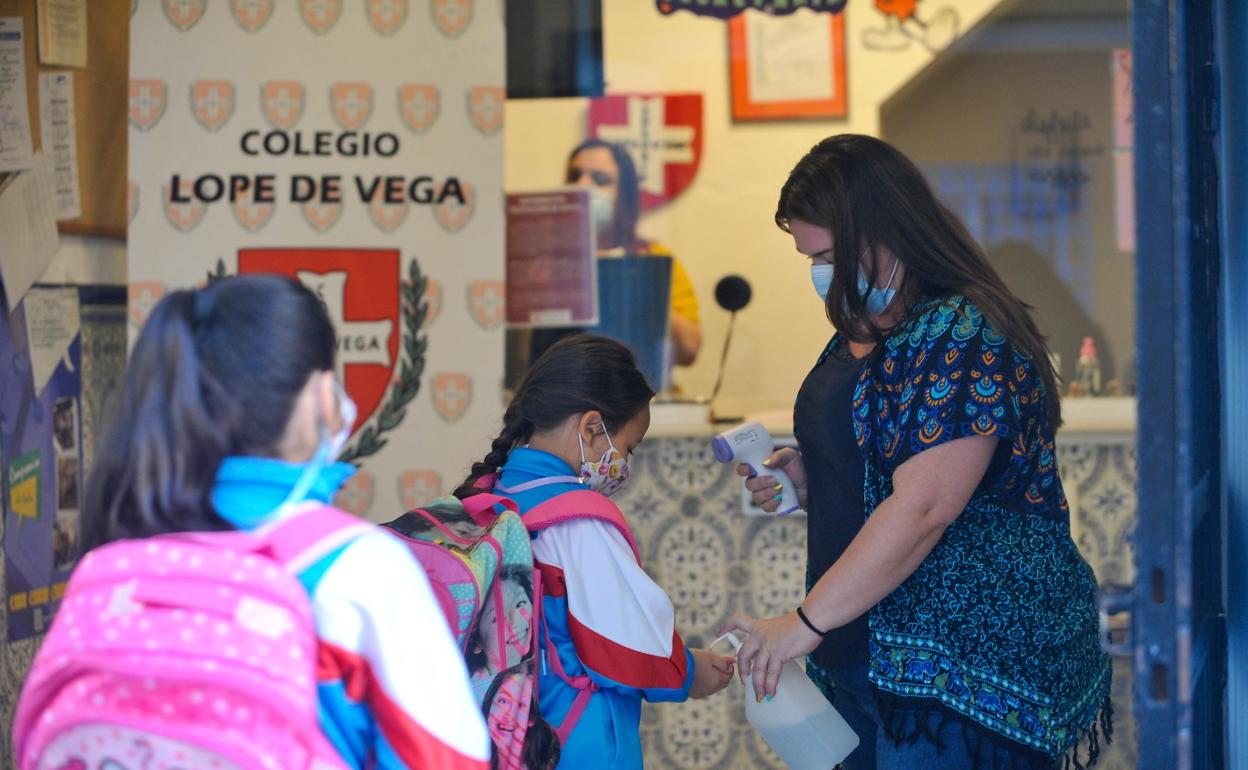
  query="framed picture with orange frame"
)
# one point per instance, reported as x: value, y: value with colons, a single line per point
x: 787, y: 67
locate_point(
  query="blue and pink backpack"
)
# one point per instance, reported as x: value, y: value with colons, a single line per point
x: 480, y: 564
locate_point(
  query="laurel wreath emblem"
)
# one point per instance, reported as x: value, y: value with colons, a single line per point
x: 414, y: 308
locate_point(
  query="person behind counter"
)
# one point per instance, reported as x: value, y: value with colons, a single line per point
x: 936, y: 509
x: 609, y: 174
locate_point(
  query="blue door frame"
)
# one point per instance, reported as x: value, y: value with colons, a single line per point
x: 1179, y: 611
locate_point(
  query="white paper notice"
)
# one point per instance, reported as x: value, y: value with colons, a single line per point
x: 28, y: 221
x: 15, y: 146
x: 790, y: 58
x: 60, y: 140
x: 63, y: 32
x: 52, y: 321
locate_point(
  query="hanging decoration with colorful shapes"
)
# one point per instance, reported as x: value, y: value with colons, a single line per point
x: 725, y: 9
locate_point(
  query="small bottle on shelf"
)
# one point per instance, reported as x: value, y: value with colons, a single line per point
x: 1087, y: 371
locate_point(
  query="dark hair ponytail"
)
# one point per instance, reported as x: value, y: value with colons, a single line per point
x: 215, y: 372
x: 578, y: 374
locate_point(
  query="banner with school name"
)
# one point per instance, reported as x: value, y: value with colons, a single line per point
x: 355, y: 145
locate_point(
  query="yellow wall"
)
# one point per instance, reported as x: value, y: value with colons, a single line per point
x: 723, y: 223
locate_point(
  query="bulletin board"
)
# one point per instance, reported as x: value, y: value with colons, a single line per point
x: 100, y: 104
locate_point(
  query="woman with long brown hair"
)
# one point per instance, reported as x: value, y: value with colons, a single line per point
x: 948, y: 608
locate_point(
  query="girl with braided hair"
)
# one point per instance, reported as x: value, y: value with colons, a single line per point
x: 607, y: 630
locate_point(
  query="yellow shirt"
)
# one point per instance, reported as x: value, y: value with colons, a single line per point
x: 684, y: 301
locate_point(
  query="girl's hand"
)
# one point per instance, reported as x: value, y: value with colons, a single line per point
x: 763, y: 488
x: 711, y: 673
x: 771, y: 643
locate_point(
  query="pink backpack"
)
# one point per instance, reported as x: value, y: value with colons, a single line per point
x: 468, y: 551
x: 185, y: 651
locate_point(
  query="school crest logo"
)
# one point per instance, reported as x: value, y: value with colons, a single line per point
x: 433, y: 298
x: 378, y: 322
x: 143, y: 296
x: 386, y: 16
x: 320, y: 15
x: 452, y: 394
x: 452, y: 214
x: 251, y: 215
x: 486, y: 301
x: 282, y: 102
x: 356, y: 495
x: 388, y: 216
x: 662, y: 133
x: 451, y: 17
x: 132, y: 201
x: 147, y: 103
x: 485, y: 108
x: 184, y: 14
x: 212, y: 102
x: 419, y: 104
x: 417, y: 488
x: 183, y: 216
x: 352, y: 104
x: 321, y: 216
x: 251, y: 15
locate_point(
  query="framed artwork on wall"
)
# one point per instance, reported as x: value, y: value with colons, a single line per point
x: 787, y: 67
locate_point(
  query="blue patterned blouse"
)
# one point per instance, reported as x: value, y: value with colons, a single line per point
x: 999, y: 623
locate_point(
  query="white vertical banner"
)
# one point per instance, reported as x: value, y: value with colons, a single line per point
x: 355, y: 145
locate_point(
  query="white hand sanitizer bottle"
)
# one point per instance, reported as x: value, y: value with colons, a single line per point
x: 798, y: 722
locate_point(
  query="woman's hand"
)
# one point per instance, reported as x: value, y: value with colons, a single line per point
x: 764, y: 490
x: 711, y: 673
x: 771, y: 643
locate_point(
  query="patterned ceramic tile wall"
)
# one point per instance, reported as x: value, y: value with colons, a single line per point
x: 713, y: 561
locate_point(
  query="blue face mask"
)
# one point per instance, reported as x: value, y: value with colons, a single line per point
x: 877, y: 300
x: 322, y: 463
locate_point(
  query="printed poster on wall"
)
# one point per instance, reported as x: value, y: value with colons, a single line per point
x: 551, y: 275
x: 40, y: 454
x: 357, y: 147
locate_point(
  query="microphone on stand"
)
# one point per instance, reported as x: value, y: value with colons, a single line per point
x: 732, y: 293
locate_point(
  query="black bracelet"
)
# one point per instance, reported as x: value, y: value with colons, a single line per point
x: 810, y: 625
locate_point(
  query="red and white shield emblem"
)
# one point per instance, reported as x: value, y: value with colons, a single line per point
x: 388, y: 216
x: 251, y: 215
x: 147, y: 103
x: 212, y: 102
x: 282, y: 103
x: 452, y: 394
x: 662, y: 133
x: 452, y: 17
x: 352, y: 104
x: 417, y: 488
x: 251, y: 15
x: 453, y: 214
x: 360, y: 290
x: 183, y: 216
x: 356, y: 495
x: 321, y: 216
x: 386, y: 16
x: 419, y: 104
x: 132, y: 201
x: 433, y: 297
x: 184, y: 14
x: 485, y: 108
x: 486, y: 301
x: 320, y: 15
x: 143, y: 297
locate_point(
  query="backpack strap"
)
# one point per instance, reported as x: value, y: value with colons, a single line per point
x: 580, y: 504
x: 480, y: 507
x: 301, y: 538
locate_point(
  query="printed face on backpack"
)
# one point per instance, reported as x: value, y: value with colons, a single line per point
x: 518, y: 619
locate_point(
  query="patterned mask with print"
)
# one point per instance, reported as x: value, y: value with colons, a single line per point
x: 607, y: 475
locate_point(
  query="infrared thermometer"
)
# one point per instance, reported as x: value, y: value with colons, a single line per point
x: 750, y: 443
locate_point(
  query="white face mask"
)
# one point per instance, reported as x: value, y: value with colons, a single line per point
x: 601, y: 208
x: 328, y: 451
x: 607, y: 475
x: 347, y: 408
